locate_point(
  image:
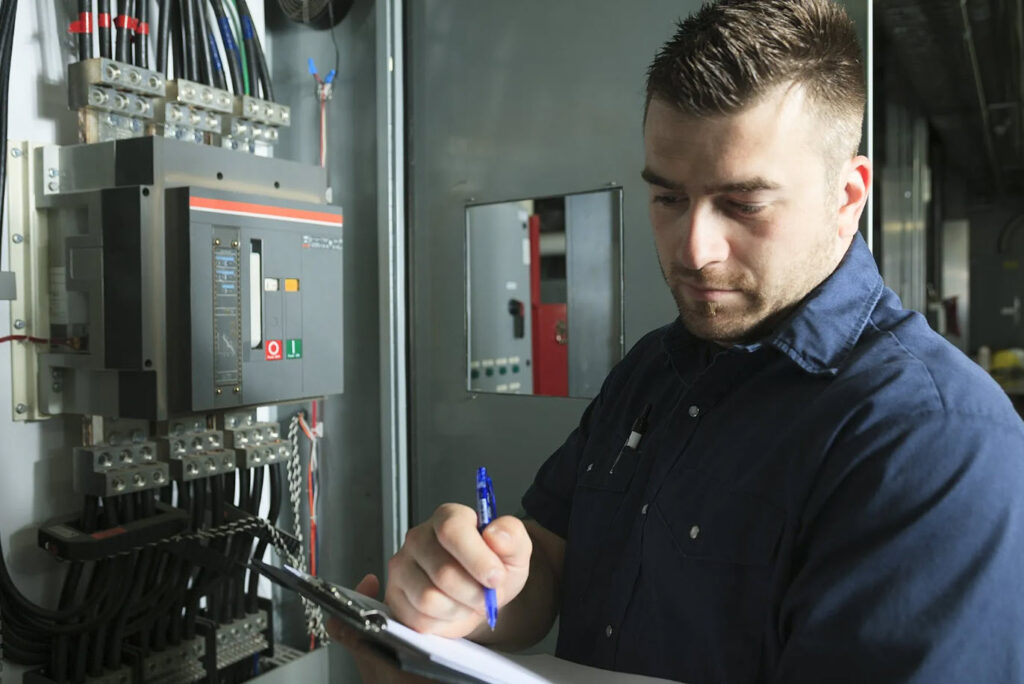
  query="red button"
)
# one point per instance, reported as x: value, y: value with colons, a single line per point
x: 273, y: 350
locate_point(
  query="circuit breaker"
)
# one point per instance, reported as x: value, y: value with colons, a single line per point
x: 183, y: 278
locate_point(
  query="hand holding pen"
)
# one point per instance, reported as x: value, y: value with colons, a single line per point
x: 436, y: 581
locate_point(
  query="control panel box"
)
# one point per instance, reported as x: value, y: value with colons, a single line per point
x: 176, y: 279
x: 260, y: 298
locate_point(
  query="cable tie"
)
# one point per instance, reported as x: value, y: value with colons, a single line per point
x: 83, y: 24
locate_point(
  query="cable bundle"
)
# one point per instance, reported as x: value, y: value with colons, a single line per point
x: 8, y: 15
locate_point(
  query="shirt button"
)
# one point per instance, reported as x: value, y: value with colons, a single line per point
x: 643, y: 511
x: 694, y: 411
x: 608, y: 631
x: 694, y: 532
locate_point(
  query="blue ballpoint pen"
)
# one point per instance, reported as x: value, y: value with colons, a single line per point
x: 484, y: 515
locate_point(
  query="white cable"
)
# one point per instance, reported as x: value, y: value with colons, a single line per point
x: 314, y: 616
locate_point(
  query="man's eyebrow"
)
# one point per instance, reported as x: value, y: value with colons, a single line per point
x: 755, y: 184
x: 654, y: 179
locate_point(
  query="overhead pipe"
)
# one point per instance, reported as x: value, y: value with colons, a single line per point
x: 979, y: 87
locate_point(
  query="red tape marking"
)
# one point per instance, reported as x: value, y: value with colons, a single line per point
x: 83, y: 25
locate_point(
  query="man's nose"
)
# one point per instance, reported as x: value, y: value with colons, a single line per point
x: 704, y: 240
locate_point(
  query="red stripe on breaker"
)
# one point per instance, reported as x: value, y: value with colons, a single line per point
x: 264, y: 210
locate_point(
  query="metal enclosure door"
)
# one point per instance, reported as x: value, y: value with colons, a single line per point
x: 506, y: 100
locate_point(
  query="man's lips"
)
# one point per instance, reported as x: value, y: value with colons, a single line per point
x: 707, y: 294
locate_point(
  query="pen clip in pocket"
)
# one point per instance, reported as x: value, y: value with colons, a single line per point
x: 614, y: 475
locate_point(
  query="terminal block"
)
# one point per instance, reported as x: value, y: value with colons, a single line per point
x: 110, y: 470
x: 256, y: 444
x: 238, y: 639
x: 255, y: 124
x: 194, y: 112
x: 176, y: 664
x: 114, y: 100
x: 193, y: 452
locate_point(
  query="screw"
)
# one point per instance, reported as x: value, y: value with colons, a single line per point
x: 219, y: 391
x: 216, y: 242
x: 234, y: 243
x: 237, y: 389
x: 19, y: 324
x: 15, y: 153
x: 17, y: 238
x: 51, y: 172
x: 53, y: 186
x: 20, y: 408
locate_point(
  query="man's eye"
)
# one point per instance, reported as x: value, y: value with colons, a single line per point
x: 668, y: 200
x: 747, y: 209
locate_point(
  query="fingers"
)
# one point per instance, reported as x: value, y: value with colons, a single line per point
x: 508, y: 539
x: 407, y: 614
x: 454, y: 527
x: 424, y: 597
x: 451, y: 578
x: 369, y: 586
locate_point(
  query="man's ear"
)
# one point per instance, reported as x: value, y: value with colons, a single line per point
x: 857, y: 185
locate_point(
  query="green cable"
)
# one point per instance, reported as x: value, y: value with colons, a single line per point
x: 236, y: 25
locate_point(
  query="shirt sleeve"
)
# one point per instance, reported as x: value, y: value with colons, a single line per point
x: 908, y: 564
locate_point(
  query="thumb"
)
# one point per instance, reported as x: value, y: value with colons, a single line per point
x: 369, y: 586
x: 508, y: 538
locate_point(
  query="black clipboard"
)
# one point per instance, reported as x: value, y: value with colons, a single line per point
x: 367, y: 616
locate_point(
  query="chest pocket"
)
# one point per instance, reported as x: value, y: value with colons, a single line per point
x: 709, y: 521
x: 606, y: 472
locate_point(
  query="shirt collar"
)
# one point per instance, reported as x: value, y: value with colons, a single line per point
x: 820, y: 334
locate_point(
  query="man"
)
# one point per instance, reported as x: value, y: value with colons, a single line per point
x: 824, y: 489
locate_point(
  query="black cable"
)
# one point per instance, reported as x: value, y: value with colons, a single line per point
x: 8, y: 18
x: 121, y: 31
x: 219, y: 78
x: 233, y: 57
x: 248, y: 33
x: 245, y: 552
x: 202, y: 35
x: 177, y: 41
x: 84, y: 29
x: 252, y: 600
x: 141, y: 40
x: 163, y: 36
x: 188, y: 20
x: 261, y: 59
x: 103, y: 20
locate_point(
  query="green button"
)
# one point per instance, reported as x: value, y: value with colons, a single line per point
x: 502, y: 370
x: 293, y: 349
x: 490, y: 372
x: 474, y: 374
x: 515, y: 369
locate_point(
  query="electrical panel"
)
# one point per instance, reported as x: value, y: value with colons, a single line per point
x: 181, y: 290
x: 175, y: 297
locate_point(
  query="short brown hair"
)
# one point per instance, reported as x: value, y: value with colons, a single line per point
x: 731, y: 52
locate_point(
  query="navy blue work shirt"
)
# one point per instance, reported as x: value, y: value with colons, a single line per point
x: 841, y: 502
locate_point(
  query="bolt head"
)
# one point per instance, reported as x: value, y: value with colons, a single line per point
x: 16, y: 153
x: 52, y: 185
x: 19, y: 324
x: 20, y: 408
x: 51, y: 172
x: 17, y: 238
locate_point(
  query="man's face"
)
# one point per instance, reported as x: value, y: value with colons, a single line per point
x: 744, y: 222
